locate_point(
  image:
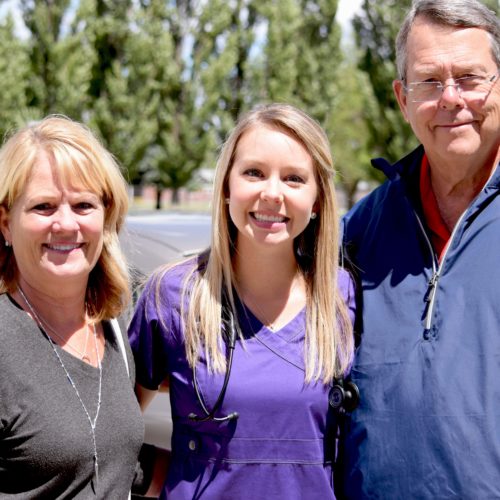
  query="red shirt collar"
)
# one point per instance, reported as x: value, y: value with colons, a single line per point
x: 439, y: 232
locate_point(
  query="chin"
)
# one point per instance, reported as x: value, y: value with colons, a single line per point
x: 67, y: 274
x: 463, y: 147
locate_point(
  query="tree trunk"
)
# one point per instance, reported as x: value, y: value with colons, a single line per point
x: 159, y: 192
x: 176, y: 199
x: 351, y: 194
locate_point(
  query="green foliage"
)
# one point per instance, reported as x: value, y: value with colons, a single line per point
x: 376, y: 28
x: 493, y: 5
x: 162, y: 83
x: 348, y: 126
x: 14, y: 68
x: 60, y: 60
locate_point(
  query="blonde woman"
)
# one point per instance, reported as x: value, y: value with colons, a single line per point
x: 70, y: 426
x: 251, y: 333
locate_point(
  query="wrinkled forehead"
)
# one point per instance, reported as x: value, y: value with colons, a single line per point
x: 449, y: 38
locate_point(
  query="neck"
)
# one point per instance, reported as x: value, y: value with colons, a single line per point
x: 455, y: 186
x: 64, y: 313
x: 270, y: 286
x: 266, y: 275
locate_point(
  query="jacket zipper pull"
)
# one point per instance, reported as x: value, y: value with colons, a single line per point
x: 431, y: 286
x: 428, y: 298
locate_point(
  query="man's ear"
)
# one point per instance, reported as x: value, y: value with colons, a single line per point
x: 401, y: 96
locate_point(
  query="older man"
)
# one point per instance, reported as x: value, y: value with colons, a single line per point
x: 426, y: 249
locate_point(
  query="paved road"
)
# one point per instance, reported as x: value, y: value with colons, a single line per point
x: 150, y: 240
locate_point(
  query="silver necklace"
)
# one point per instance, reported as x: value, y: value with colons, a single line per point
x: 92, y: 422
x: 46, y: 326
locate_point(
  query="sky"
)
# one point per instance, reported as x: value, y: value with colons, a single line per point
x: 345, y: 11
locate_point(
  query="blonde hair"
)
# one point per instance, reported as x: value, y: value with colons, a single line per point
x: 79, y: 158
x: 329, y: 341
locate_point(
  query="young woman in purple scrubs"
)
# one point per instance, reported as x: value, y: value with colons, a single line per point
x: 271, y: 269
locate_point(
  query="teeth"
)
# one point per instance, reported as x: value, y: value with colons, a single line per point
x: 269, y: 218
x: 63, y: 248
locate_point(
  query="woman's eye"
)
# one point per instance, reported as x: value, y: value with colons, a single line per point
x: 42, y: 207
x: 252, y: 172
x: 84, y: 205
x: 295, y: 179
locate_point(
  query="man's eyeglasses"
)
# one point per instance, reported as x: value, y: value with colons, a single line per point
x: 469, y: 87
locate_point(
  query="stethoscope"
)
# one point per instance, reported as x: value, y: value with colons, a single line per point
x: 230, y: 328
x: 343, y: 396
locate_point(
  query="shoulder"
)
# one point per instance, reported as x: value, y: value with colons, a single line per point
x: 176, y: 276
x: 393, y: 194
x: 168, y: 283
x: 345, y: 283
x: 11, y: 316
x: 163, y: 296
x: 367, y: 207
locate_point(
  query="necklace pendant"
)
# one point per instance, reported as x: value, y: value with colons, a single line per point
x: 96, y: 471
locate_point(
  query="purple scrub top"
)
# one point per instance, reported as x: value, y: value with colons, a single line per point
x: 283, y: 443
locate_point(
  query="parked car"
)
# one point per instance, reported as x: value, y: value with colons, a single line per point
x: 150, y: 240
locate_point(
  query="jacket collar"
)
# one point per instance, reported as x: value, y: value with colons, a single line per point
x: 409, y: 166
x: 406, y: 167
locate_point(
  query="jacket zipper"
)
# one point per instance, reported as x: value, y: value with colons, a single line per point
x: 430, y: 294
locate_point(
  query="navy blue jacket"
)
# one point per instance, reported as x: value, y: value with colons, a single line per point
x: 428, y: 361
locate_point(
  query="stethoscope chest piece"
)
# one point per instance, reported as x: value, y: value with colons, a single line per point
x: 344, y: 396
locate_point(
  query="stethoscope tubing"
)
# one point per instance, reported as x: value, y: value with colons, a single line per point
x: 343, y: 397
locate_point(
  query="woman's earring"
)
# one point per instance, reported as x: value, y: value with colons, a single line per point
x: 7, y: 243
x: 227, y: 201
x: 313, y: 215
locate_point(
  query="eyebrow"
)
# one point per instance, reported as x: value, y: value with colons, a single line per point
x: 432, y: 70
x: 249, y: 161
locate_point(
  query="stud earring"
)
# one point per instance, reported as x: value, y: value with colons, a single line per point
x: 227, y: 201
x: 7, y: 243
x: 313, y: 215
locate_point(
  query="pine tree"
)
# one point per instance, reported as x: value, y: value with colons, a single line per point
x: 14, y: 68
x: 60, y: 60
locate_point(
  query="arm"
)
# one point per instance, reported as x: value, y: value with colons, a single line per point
x: 154, y: 461
x: 160, y: 469
x: 144, y: 396
x: 151, y: 471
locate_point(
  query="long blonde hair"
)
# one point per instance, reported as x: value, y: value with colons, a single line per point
x: 79, y: 157
x: 329, y: 340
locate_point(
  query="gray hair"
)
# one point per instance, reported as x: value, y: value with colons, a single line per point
x: 453, y: 13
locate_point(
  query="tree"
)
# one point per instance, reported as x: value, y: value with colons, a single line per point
x: 198, y: 82
x: 116, y: 108
x: 348, y: 130
x: 14, y: 68
x: 158, y: 68
x: 375, y: 30
x: 60, y: 60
